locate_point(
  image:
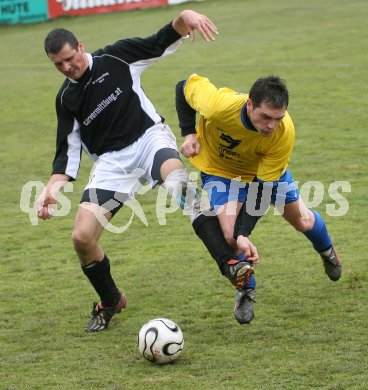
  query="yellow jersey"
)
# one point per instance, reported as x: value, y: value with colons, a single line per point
x: 228, y: 148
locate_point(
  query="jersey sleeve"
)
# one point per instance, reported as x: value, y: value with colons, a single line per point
x: 153, y: 48
x: 68, y: 144
x: 186, y: 114
x: 201, y: 95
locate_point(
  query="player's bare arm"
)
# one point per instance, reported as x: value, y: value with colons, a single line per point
x: 46, y: 202
x: 190, y: 21
x: 248, y: 248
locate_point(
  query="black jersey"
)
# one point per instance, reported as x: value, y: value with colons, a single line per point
x: 106, y: 109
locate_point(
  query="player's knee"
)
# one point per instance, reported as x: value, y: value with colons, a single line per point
x: 81, y: 240
x: 302, y: 219
x: 303, y: 224
x: 176, y: 178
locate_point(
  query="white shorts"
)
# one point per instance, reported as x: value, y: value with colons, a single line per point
x: 126, y: 170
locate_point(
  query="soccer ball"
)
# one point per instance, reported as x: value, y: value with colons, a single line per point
x: 160, y: 341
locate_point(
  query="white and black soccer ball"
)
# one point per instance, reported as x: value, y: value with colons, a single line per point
x: 160, y: 341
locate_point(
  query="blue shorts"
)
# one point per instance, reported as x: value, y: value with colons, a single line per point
x: 221, y: 191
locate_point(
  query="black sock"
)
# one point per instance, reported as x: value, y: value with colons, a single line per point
x: 208, y: 229
x: 98, y: 273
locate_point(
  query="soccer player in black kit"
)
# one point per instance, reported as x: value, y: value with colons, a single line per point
x: 102, y: 109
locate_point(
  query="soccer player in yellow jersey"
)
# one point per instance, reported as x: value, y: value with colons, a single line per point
x: 242, y: 147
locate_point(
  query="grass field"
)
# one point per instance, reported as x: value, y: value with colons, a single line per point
x: 308, y: 333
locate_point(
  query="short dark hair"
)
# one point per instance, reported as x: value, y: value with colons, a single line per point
x: 57, y: 38
x: 270, y: 90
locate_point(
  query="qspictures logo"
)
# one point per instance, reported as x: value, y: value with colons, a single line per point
x: 313, y: 193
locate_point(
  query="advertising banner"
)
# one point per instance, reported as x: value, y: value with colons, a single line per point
x: 84, y: 7
x: 22, y: 11
x: 179, y: 1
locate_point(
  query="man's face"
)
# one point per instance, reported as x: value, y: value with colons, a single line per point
x: 265, y: 118
x: 70, y: 62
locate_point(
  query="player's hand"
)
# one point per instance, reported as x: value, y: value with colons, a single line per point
x: 250, y: 251
x: 46, y: 205
x: 190, y: 146
x: 196, y: 22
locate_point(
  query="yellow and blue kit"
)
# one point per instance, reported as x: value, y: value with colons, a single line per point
x: 232, y: 150
x: 230, y: 146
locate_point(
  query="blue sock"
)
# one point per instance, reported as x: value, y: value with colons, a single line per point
x: 252, y: 280
x: 318, y: 235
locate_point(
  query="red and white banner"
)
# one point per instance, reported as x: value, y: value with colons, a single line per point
x: 84, y: 7
x: 178, y: 1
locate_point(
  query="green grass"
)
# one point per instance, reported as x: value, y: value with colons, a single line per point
x: 308, y: 333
